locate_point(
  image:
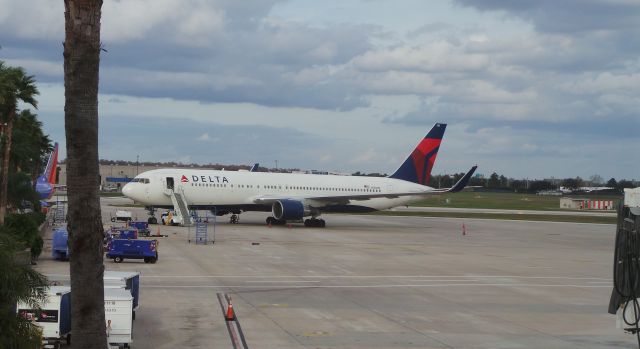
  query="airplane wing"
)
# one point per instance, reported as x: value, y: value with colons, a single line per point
x: 344, y: 199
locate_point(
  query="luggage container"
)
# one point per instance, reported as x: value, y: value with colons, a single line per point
x: 59, y: 248
x: 119, y: 249
x: 118, y: 316
x: 54, y: 318
x: 128, y: 280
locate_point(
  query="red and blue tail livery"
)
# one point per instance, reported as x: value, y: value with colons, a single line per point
x: 417, y: 167
x: 45, y: 183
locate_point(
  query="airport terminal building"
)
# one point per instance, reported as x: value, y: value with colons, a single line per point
x: 114, y: 177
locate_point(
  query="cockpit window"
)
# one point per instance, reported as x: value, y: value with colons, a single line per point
x: 141, y: 180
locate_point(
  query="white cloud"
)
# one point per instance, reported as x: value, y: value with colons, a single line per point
x: 355, y: 82
x: 433, y: 57
x: 33, y: 19
x: 38, y: 67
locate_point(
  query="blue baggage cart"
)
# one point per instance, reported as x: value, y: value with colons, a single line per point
x: 119, y: 249
x: 142, y: 226
x: 59, y: 248
x: 127, y: 233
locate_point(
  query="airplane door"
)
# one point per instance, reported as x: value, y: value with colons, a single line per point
x: 170, y: 184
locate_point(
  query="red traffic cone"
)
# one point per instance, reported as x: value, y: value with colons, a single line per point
x: 158, y: 233
x: 231, y: 315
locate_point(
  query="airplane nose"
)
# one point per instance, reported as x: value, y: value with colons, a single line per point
x: 127, y: 191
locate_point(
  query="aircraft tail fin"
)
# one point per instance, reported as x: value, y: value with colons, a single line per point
x: 418, y: 165
x: 45, y: 183
x: 50, y: 172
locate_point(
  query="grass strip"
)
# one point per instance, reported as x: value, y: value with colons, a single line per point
x: 503, y: 216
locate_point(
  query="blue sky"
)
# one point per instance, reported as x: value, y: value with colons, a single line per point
x: 529, y: 89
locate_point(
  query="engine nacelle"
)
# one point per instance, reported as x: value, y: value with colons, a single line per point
x: 289, y: 210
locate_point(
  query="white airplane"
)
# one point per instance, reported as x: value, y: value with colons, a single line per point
x: 291, y: 197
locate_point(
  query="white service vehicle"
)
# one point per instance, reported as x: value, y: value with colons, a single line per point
x: 122, y: 215
x: 118, y: 308
x: 54, y: 317
x: 127, y: 280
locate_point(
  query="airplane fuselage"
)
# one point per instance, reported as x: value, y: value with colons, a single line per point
x: 209, y: 189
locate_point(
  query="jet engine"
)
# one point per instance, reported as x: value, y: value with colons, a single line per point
x: 289, y: 210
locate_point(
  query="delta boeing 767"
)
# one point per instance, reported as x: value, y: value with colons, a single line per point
x: 291, y: 197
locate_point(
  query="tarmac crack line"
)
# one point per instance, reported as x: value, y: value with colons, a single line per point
x: 397, y: 322
x: 263, y: 313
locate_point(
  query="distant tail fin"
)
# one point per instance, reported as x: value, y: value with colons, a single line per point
x: 45, y: 183
x: 417, y: 167
x: 50, y: 172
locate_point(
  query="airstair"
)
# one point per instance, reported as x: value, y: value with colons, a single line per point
x: 181, y: 208
x: 59, y: 215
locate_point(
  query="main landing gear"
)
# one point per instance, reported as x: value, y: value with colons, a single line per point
x: 274, y: 221
x: 311, y: 222
x: 314, y: 222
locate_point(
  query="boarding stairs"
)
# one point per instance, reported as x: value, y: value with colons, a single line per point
x: 181, y: 207
x: 59, y: 215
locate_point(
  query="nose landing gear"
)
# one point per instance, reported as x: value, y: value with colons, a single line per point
x: 152, y: 215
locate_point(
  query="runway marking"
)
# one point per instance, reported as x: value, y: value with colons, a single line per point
x: 376, y: 286
x: 278, y: 281
x: 534, y: 267
x: 430, y: 280
x: 373, y: 276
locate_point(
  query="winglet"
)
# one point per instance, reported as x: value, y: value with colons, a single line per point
x: 463, y: 181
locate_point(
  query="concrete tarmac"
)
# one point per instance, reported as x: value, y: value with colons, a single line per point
x: 379, y: 282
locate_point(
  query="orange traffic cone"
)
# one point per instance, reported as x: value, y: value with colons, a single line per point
x: 231, y: 315
x: 158, y: 233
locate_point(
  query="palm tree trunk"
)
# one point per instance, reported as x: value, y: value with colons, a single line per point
x: 5, y: 165
x: 81, y: 72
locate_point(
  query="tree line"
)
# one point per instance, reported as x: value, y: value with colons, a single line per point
x: 501, y: 182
